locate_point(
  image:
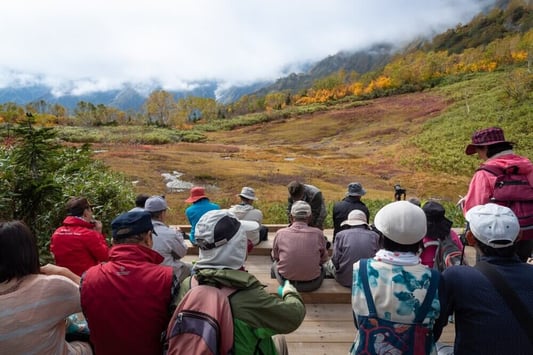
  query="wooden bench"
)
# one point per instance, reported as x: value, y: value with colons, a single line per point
x: 259, y: 266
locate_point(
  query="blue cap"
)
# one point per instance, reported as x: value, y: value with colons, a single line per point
x: 131, y: 223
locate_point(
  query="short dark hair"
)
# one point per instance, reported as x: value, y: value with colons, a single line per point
x: 140, y: 200
x: 76, y: 205
x: 506, y: 252
x: 296, y: 189
x: 19, y: 255
x: 496, y: 148
x: 393, y: 246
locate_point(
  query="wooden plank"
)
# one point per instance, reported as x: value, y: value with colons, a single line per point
x: 323, y: 332
x: 328, y: 312
x: 318, y: 349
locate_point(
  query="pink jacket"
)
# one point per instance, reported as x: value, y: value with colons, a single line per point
x: 482, y: 183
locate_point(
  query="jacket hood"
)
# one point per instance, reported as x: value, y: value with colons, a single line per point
x: 505, y: 160
x: 241, y: 210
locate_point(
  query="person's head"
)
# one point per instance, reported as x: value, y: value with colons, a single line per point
x: 140, y: 200
x: 488, y: 142
x: 19, y: 255
x: 197, y: 193
x: 402, y: 225
x: 222, y: 240
x: 415, y: 201
x: 355, y: 189
x: 494, y: 229
x: 133, y: 228
x: 296, y: 190
x: 79, y: 207
x: 355, y: 218
x: 247, y: 195
x: 438, y: 226
x: 300, y: 212
x: 157, y: 206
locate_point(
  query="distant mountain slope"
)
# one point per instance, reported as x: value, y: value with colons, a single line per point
x: 360, y: 62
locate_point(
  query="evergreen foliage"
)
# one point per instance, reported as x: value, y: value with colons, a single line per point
x: 37, y: 177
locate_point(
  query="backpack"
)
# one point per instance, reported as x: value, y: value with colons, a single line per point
x: 447, y: 253
x: 202, y: 323
x: 379, y: 336
x: 512, y: 189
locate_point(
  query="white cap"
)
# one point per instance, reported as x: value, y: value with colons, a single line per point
x: 493, y: 225
x: 355, y: 218
x: 401, y: 222
x: 300, y: 209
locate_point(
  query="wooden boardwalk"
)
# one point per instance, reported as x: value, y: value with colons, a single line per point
x: 328, y: 327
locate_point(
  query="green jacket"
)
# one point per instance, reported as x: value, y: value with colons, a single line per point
x: 257, y: 315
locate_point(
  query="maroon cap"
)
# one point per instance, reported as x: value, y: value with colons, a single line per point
x: 487, y: 136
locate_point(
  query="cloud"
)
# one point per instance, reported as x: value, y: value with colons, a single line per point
x: 99, y: 44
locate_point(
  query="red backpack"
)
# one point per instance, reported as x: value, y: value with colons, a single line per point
x: 512, y: 189
x: 202, y: 323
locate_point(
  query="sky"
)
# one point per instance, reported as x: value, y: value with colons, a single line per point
x: 84, y: 46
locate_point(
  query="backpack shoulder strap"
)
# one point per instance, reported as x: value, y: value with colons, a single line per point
x: 363, y: 275
x: 430, y: 296
x: 520, y: 311
x: 493, y: 169
x: 226, y: 291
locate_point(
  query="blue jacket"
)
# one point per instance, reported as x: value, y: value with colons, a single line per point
x: 197, y: 210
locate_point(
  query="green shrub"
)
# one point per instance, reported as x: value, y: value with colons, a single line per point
x: 38, y: 177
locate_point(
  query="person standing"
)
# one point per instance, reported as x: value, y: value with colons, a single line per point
x: 200, y: 205
x: 313, y: 196
x: 167, y: 241
x: 352, y: 201
x: 484, y: 322
x: 298, y: 251
x: 127, y: 301
x: 496, y: 152
x: 357, y: 242
x: 79, y: 243
x: 247, y: 212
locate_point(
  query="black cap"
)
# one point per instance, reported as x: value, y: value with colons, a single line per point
x: 132, y: 223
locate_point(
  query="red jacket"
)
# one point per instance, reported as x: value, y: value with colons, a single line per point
x: 126, y: 301
x: 77, y: 246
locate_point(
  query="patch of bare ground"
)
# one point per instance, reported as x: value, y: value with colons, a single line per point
x: 327, y: 149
